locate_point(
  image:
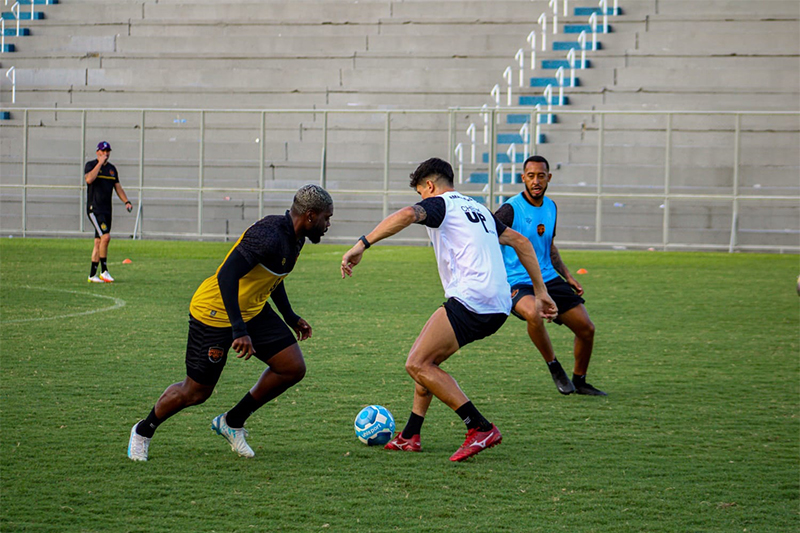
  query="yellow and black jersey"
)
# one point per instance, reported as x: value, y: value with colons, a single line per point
x: 99, y: 192
x: 272, y: 247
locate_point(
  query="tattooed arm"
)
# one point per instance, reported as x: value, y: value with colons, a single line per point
x: 561, y: 268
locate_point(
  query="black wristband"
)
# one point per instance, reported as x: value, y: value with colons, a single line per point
x: 364, y: 240
x: 126, y: 203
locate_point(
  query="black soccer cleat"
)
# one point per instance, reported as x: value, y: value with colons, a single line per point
x: 563, y: 384
x: 588, y: 390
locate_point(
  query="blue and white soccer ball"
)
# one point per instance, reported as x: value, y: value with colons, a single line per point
x: 374, y: 425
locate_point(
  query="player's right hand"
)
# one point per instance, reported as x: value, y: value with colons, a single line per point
x: 350, y: 259
x: 546, y: 307
x: 243, y: 346
x: 102, y: 158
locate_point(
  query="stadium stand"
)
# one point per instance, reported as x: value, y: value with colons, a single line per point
x: 373, y: 56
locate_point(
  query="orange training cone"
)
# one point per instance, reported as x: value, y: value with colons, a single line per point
x: 127, y: 262
x: 582, y: 271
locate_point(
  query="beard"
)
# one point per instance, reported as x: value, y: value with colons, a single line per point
x: 315, y: 236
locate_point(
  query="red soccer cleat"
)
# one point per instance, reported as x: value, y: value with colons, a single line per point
x: 404, y: 445
x: 476, y: 442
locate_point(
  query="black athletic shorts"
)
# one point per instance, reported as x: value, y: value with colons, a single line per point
x: 558, y: 289
x: 469, y: 326
x: 101, y: 223
x: 207, y: 347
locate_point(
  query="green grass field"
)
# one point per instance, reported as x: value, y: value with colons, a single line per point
x: 700, y: 431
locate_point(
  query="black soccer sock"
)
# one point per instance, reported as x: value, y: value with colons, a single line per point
x: 147, y: 427
x: 103, y: 267
x: 413, y: 426
x: 473, y: 418
x: 237, y: 416
x: 578, y: 380
x: 93, y: 271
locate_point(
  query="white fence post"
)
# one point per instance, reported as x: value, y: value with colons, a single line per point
x: 554, y: 5
x: 532, y: 40
x: 520, y: 56
x: 11, y: 74
x: 560, y: 80
x: 548, y: 97
x: 485, y: 113
x: 512, y: 155
x: 604, y: 10
x: 571, y: 59
x: 582, y: 44
x: 508, y: 76
x: 459, y: 153
x: 495, y: 93
x: 471, y: 133
x: 16, y: 14
x: 543, y: 24
x: 593, y: 24
x: 566, y: 7
x: 525, y: 133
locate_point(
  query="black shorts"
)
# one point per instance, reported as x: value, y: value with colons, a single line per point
x: 469, y: 326
x: 101, y: 223
x: 207, y: 347
x: 558, y: 289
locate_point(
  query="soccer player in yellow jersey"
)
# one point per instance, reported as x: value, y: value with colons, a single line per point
x: 230, y: 309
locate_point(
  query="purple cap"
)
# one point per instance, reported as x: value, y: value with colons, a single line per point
x: 103, y: 146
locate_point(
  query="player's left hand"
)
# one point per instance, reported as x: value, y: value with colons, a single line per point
x: 302, y: 330
x: 129, y: 206
x: 350, y: 259
x: 243, y: 346
x: 575, y: 286
x: 546, y: 307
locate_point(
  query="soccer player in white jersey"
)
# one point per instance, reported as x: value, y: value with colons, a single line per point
x: 534, y: 215
x: 466, y: 240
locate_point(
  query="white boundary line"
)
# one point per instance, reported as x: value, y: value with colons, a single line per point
x: 118, y: 303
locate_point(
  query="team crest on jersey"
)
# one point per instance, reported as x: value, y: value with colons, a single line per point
x: 540, y: 229
x: 528, y: 220
x: 111, y: 172
x: 215, y: 354
x: 103, y: 226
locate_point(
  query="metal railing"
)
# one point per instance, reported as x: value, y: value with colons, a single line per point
x: 492, y: 193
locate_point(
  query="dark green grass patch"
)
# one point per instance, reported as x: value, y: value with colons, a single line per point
x: 700, y: 432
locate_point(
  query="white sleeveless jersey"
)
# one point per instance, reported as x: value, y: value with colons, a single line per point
x: 469, y: 258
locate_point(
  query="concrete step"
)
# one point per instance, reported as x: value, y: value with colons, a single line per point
x: 715, y: 43
x: 722, y: 8
x: 23, y: 15
x: 12, y: 32
x: 767, y: 80
x: 575, y: 45
x: 579, y: 28
x: 544, y: 82
x: 588, y: 11
x: 555, y: 64
x: 705, y: 156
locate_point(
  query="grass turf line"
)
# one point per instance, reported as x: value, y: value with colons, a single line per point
x: 698, y: 351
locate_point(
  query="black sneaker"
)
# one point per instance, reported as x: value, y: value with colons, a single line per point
x: 560, y: 378
x: 588, y: 390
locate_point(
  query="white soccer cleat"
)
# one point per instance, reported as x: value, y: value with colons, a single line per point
x: 235, y: 437
x: 138, y: 446
x: 95, y: 279
x: 106, y: 277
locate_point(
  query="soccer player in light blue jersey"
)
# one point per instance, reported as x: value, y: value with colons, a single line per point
x: 534, y: 215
